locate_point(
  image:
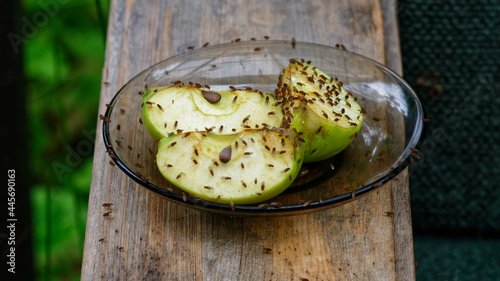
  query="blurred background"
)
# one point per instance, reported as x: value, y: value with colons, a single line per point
x: 53, y: 54
x: 451, y: 57
x: 59, y: 47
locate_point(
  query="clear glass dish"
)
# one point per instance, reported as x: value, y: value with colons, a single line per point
x: 392, y: 128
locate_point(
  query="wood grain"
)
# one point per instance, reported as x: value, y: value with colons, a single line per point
x: 149, y: 238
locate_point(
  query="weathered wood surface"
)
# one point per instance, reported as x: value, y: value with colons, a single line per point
x: 164, y: 241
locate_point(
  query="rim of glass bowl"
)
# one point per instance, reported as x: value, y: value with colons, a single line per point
x: 404, y: 160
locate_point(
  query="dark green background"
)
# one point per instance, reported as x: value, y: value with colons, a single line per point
x: 451, y: 57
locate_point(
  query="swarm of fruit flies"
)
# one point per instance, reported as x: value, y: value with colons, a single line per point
x: 243, y: 146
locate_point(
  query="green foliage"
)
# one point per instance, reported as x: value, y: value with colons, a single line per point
x: 63, y: 61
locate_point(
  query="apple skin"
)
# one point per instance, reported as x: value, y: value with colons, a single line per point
x: 326, y: 143
x: 253, y: 174
x: 177, y: 109
x: 326, y: 116
x: 152, y: 129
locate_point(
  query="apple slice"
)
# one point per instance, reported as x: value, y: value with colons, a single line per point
x: 180, y: 109
x: 325, y: 115
x: 243, y: 168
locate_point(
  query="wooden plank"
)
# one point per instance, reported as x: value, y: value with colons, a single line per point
x: 164, y: 241
x: 400, y: 192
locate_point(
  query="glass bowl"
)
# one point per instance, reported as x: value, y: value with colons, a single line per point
x: 393, y: 126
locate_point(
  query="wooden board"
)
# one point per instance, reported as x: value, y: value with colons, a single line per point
x: 148, y: 238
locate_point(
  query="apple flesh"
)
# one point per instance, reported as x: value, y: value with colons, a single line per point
x: 240, y: 147
x: 180, y: 109
x: 251, y: 166
x: 324, y: 114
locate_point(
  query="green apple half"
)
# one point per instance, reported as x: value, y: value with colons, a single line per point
x: 178, y: 109
x: 325, y: 115
x: 243, y: 168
